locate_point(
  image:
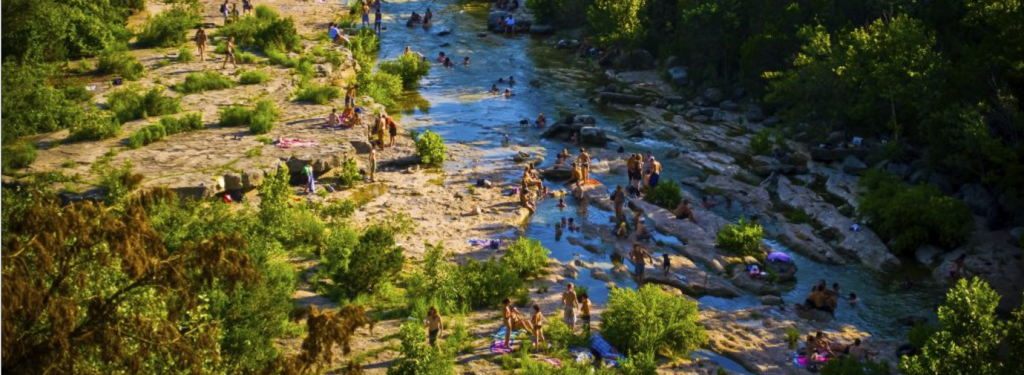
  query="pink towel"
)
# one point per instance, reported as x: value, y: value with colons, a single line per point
x: 498, y: 346
x: 295, y: 142
x: 557, y: 363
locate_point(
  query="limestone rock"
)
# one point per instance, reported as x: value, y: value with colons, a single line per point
x: 592, y: 135
x: 977, y: 198
x: 729, y: 105
x: 678, y: 75
x: 713, y: 95
x: 853, y: 165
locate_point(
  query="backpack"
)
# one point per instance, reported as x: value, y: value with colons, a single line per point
x: 223, y: 8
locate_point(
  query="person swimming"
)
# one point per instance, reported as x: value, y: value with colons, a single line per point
x: 494, y: 89
x: 465, y: 62
x: 508, y: 93
x: 511, y: 81
x: 441, y: 57
x: 561, y: 203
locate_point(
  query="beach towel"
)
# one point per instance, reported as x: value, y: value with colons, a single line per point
x: 778, y: 256
x: 603, y: 348
x: 803, y: 362
x: 500, y: 335
x: 498, y: 346
x: 294, y: 142
x: 484, y: 242
x: 582, y: 355
x: 557, y: 363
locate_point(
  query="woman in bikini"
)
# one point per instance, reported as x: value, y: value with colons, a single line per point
x: 538, y: 326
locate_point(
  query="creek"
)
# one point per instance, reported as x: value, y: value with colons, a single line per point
x: 456, y: 104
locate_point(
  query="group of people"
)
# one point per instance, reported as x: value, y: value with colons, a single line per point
x: 231, y: 12
x: 575, y: 308
x: 644, y: 171
x: 825, y: 299
x: 531, y: 188
x: 376, y: 16
x: 508, y: 90
x: 819, y: 349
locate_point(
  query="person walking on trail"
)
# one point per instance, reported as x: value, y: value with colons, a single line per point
x: 381, y: 131
x: 434, y: 325
x: 373, y: 164
x: 570, y: 304
x: 230, y: 54
x: 310, y: 179
x: 247, y: 7
x: 200, y: 40
x: 366, y: 16
x: 584, y: 160
x: 619, y: 197
x: 639, y: 256
x: 376, y: 20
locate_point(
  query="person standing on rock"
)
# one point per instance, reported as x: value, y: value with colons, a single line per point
x: 373, y: 164
x: 652, y: 179
x: 570, y: 304
x: 229, y: 55
x: 350, y: 96
x: 366, y: 16
x: 310, y: 179
x: 376, y: 20
x: 585, y: 310
x: 537, y: 320
x: 200, y: 40
x: 247, y: 7
x: 224, y: 11
x: 639, y: 256
x: 584, y: 160
x: 619, y: 197
x: 392, y: 130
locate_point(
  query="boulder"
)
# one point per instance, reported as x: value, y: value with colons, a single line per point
x: 977, y: 198
x: 853, y: 165
x: 928, y: 255
x: 785, y: 271
x: 671, y: 61
x: 252, y: 178
x: 324, y: 70
x: 729, y: 105
x: 444, y: 31
x: 635, y: 60
x: 556, y: 173
x: 754, y: 113
x: 233, y: 181
x: 591, y: 135
x: 678, y: 75
x: 582, y: 119
x: 361, y: 147
x: 569, y: 271
x: 541, y: 29
x: 1015, y: 235
x: 611, y: 97
x: 771, y: 300
x: 827, y: 155
x: 771, y: 121
x: 713, y: 95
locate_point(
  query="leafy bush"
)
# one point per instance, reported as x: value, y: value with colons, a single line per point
x: 372, y: 259
x: 168, y: 28
x: 640, y: 364
x: 266, y: 31
x: 431, y: 149
x: 909, y: 217
x: 18, y: 155
x: 33, y: 103
x: 410, y: 67
x: 95, y: 125
x: 206, y: 81
x: 185, y: 55
x: 383, y: 87
x: 260, y: 119
x: 317, y: 94
x: 527, y: 257
x: 666, y: 194
x: 280, y: 58
x: 850, y: 365
x: 419, y: 358
x: 649, y: 320
x: 348, y: 174
x: 120, y: 62
x: 742, y: 239
x: 253, y: 77
x: 167, y: 126
x: 235, y: 115
x: 130, y: 104
x: 761, y: 143
x: 920, y: 334
x: 971, y: 335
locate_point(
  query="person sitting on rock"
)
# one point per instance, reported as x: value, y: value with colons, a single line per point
x: 684, y: 212
x: 859, y: 352
x: 333, y: 119
x: 577, y: 174
x: 621, y: 231
x: 642, y: 234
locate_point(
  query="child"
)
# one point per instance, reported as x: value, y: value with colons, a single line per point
x: 666, y: 263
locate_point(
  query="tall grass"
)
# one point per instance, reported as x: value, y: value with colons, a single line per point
x: 167, y: 126
x: 199, y: 82
x: 132, y: 104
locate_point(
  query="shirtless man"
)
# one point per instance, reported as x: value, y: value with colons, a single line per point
x: 332, y: 119
x: 537, y: 320
x: 507, y: 314
x: 584, y: 160
x: 571, y: 303
x: 860, y: 352
x: 230, y: 54
x: 639, y: 256
x: 654, y: 173
x: 541, y: 121
x: 350, y: 95
x: 434, y: 325
x: 585, y: 310
x: 684, y: 212
x: 366, y: 15
x: 577, y: 175
x: 200, y: 40
x: 619, y: 197
x: 392, y: 129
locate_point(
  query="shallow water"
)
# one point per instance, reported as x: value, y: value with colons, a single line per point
x: 455, y: 103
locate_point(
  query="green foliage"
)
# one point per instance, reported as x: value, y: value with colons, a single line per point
x: 260, y: 119
x: 185, y: 55
x: 253, y: 77
x: 909, y: 217
x: 969, y: 340
x: 409, y: 67
x: 168, y: 28
x: 419, y: 358
x: 18, y: 155
x: 649, y: 320
x: 384, y: 88
x: 617, y: 21
x: 266, y: 31
x: 473, y: 285
x: 527, y: 257
x: 117, y: 182
x: 120, y: 62
x: 849, y: 365
x: 640, y: 364
x: 742, y: 239
x: 35, y: 102
x: 762, y: 142
x: 206, y: 81
x: 57, y: 31
x: 371, y: 259
x: 666, y: 194
x: 280, y: 58
x: 167, y: 126
x: 132, y: 104
x: 95, y: 125
x: 561, y: 12
x: 317, y: 94
x: 245, y: 58
x: 920, y: 334
x: 431, y: 149
x: 348, y: 174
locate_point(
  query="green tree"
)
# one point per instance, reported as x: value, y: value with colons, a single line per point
x: 649, y: 321
x: 617, y: 22
x: 431, y: 149
x: 527, y: 257
x: 968, y: 342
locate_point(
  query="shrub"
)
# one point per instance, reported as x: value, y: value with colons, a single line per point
x: 909, y: 217
x: 485, y: 284
x: 431, y: 149
x: 375, y: 258
x: 383, y: 87
x: 168, y: 28
x: 920, y: 334
x: 245, y: 58
x: 742, y: 239
x: 419, y: 358
x: 666, y: 194
x: 410, y: 67
x: 18, y: 155
x: 649, y: 320
x: 317, y: 94
x: 640, y: 364
x: 260, y: 119
x: 185, y: 55
x: 206, y: 81
x: 761, y: 143
x: 167, y: 126
x: 349, y: 175
x: 850, y: 365
x: 280, y: 58
x: 266, y: 31
x: 235, y: 115
x: 253, y: 77
x: 130, y: 104
x: 33, y: 104
x: 526, y: 257
x: 95, y: 125
x: 120, y: 62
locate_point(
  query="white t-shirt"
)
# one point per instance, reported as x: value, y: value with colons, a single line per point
x: 510, y: 21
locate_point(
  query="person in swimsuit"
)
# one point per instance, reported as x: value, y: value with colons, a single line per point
x: 684, y: 212
x: 230, y: 54
x: 247, y: 7
x: 655, y: 175
x: 508, y: 93
x: 584, y: 160
x: 465, y: 62
x: 570, y: 304
x: 350, y: 96
x: 619, y: 198
x: 234, y: 12
x: 434, y: 325
x: 641, y: 234
x: 639, y: 256
x: 332, y: 119
x: 427, y: 17
x: 511, y: 81
x: 376, y: 21
x: 506, y: 320
x: 585, y: 310
x: 558, y: 232
x: 200, y: 40
x: 666, y: 263
x: 224, y: 10
x: 538, y: 326
x: 494, y: 89
x: 392, y: 130
x: 561, y: 203
x: 366, y: 16
x: 541, y: 121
